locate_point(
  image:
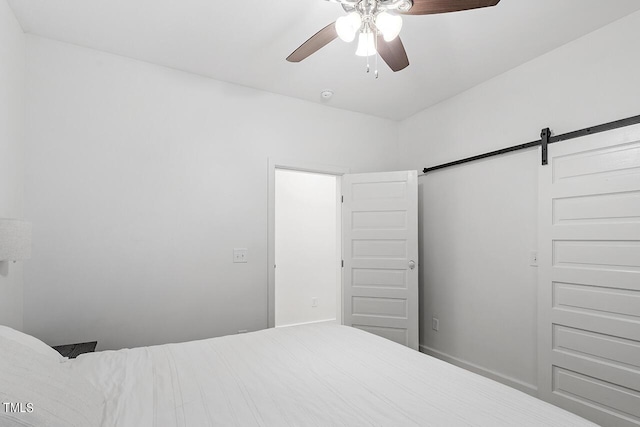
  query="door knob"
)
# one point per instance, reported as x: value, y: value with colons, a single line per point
x: 412, y: 264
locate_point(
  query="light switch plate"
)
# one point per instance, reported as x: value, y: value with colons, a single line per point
x: 533, y: 259
x: 240, y: 255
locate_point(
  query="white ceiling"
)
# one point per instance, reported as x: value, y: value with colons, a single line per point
x: 246, y: 42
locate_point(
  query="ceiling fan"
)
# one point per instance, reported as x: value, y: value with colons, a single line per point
x: 377, y: 23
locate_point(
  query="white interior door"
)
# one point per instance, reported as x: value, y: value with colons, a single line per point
x: 589, y: 304
x: 380, y: 250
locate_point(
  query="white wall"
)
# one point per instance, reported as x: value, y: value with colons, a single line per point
x: 12, y: 52
x: 478, y: 221
x: 307, y: 246
x: 140, y: 182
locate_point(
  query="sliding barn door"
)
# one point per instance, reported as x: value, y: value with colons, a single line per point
x: 589, y: 305
x: 380, y: 247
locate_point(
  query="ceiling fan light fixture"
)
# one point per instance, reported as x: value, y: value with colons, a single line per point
x: 389, y: 25
x: 366, y: 44
x: 347, y: 26
x: 378, y: 25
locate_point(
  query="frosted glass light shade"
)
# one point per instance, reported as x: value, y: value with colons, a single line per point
x: 15, y: 240
x: 347, y: 26
x: 389, y: 25
x: 366, y: 44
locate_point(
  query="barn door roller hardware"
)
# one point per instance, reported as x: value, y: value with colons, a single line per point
x: 544, y: 141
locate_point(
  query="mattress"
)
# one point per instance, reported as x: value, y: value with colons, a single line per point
x: 310, y: 375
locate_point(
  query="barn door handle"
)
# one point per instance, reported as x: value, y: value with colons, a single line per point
x: 412, y: 264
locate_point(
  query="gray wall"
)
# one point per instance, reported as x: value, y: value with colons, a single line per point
x: 11, y: 155
x: 478, y: 221
x: 140, y: 182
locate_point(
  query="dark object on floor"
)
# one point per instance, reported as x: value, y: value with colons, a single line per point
x: 74, y: 350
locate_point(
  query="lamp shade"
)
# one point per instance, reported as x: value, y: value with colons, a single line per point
x: 390, y: 25
x: 366, y: 44
x: 15, y: 240
x: 347, y: 26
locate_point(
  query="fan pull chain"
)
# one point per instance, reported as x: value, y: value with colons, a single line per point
x: 376, y: 40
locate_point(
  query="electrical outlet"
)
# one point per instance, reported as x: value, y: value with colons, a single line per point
x: 435, y: 324
x: 314, y: 302
x: 240, y: 255
x: 533, y: 259
x: 243, y: 331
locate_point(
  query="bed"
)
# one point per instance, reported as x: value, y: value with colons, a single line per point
x: 310, y: 375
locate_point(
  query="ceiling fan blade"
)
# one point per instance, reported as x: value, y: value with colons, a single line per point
x: 315, y: 43
x: 393, y: 53
x: 427, y: 7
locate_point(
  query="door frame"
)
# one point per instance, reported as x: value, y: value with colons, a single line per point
x: 273, y: 164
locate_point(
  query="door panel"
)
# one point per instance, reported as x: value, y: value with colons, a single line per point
x: 589, y: 300
x: 380, y: 229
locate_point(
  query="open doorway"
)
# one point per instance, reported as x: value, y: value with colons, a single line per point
x: 307, y: 247
x: 336, y: 172
x: 376, y: 270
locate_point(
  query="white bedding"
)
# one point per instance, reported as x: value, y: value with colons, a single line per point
x: 313, y: 375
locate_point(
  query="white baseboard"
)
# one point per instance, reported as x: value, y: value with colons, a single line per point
x: 496, y: 376
x: 308, y: 323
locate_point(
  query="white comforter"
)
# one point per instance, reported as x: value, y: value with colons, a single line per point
x: 314, y: 375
